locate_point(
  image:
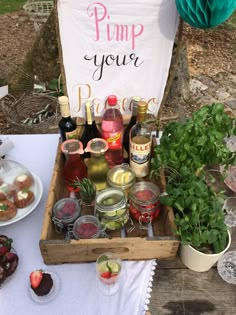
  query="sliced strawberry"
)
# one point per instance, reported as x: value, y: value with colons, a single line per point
x: 106, y: 275
x: 36, y: 278
x: 4, y: 250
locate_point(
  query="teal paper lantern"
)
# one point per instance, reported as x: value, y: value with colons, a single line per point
x: 205, y: 13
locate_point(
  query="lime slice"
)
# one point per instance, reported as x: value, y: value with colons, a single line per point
x: 114, y: 266
x: 120, y: 212
x: 102, y: 267
x: 111, y: 213
x: 113, y: 225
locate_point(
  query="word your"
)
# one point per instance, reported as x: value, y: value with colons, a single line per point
x: 100, y: 62
x: 109, y: 32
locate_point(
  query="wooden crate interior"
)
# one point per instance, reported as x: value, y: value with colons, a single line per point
x: 163, y: 227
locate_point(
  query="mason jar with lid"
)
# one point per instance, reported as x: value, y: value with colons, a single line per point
x: 144, y: 203
x: 121, y: 177
x: 111, y: 209
x: 65, y: 212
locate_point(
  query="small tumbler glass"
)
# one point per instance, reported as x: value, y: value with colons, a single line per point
x: 108, y: 267
x: 226, y: 267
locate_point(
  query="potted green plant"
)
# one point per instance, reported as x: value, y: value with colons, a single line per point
x: 185, y: 149
x: 196, y: 142
x: 199, y: 221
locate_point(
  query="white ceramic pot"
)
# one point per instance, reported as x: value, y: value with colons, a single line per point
x: 198, y: 261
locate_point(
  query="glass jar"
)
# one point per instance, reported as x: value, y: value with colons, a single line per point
x: 111, y: 209
x: 74, y: 168
x: 144, y: 204
x: 86, y: 227
x: 65, y: 212
x: 121, y: 177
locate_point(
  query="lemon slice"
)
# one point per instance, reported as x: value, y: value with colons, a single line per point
x: 102, y: 267
x: 126, y: 177
x: 114, y: 266
x: 116, y: 178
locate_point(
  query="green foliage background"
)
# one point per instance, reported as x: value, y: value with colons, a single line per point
x: 11, y: 5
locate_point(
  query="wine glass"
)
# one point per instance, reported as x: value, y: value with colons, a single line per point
x: 230, y: 208
x: 108, y: 267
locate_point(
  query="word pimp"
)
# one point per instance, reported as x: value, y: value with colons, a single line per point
x: 110, y: 32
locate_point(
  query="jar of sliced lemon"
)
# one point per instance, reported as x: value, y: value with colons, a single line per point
x: 111, y: 209
x: 121, y: 177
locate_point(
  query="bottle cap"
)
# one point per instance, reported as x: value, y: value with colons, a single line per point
x: 72, y: 146
x: 63, y: 100
x: 142, y: 106
x: 112, y: 100
x: 97, y: 146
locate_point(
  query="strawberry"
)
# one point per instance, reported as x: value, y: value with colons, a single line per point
x: 8, y: 257
x: 106, y: 275
x: 4, y: 250
x: 36, y: 278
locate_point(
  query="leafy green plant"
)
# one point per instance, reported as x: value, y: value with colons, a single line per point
x: 197, y: 142
x: 87, y: 189
x: 198, y: 214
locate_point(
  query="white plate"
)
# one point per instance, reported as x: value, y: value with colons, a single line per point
x: 21, y: 213
x: 52, y: 294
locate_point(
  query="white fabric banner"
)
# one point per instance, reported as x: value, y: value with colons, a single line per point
x: 120, y: 47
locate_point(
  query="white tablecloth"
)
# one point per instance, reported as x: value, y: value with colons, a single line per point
x: 79, y: 293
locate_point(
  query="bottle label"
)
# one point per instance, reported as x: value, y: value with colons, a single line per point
x: 113, y: 140
x: 71, y: 135
x: 140, y: 158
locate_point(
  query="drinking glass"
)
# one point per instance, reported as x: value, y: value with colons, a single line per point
x: 226, y: 267
x: 108, y: 267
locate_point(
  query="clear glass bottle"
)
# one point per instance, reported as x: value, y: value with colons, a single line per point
x: 74, y: 167
x: 131, y: 123
x: 140, y: 143
x: 112, y: 131
x: 67, y: 126
x: 97, y: 165
x: 90, y: 128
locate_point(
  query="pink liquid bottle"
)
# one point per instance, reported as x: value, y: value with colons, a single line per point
x: 112, y: 131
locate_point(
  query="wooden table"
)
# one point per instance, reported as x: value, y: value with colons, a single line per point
x: 180, y: 291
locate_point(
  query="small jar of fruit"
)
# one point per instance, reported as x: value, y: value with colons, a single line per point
x: 121, y: 177
x: 111, y: 209
x: 144, y: 204
x: 65, y: 212
x: 86, y: 227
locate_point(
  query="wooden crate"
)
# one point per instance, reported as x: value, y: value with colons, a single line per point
x: 136, y: 246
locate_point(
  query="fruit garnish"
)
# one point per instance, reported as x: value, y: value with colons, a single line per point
x: 106, y: 275
x: 36, y: 278
x: 8, y: 257
x: 113, y: 267
x: 4, y: 250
